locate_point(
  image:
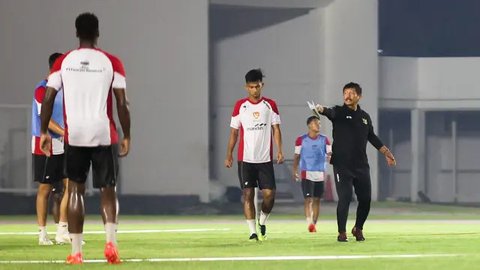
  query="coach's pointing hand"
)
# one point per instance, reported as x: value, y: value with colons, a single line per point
x: 124, y: 147
x: 46, y: 144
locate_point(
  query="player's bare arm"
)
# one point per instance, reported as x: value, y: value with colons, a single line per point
x: 231, y: 145
x: 296, y: 161
x: 124, y: 117
x: 45, y: 115
x: 277, y: 137
x: 56, y: 128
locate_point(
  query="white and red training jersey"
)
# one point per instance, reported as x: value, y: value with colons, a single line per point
x: 87, y: 77
x: 255, y: 121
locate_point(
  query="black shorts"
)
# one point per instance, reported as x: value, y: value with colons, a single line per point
x: 104, y: 161
x: 312, y: 189
x: 259, y: 175
x: 48, y: 170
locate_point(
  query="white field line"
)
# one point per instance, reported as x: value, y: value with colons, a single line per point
x: 131, y: 231
x: 267, y: 258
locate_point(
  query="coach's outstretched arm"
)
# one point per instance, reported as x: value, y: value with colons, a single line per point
x: 124, y: 117
x: 277, y: 137
x: 328, y: 112
x: 231, y: 145
x: 45, y: 115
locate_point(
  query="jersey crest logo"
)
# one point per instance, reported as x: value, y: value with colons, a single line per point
x: 256, y: 115
x: 365, y: 121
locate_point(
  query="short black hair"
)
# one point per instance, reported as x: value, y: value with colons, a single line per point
x: 254, y: 75
x: 52, y: 58
x: 311, y: 118
x: 352, y: 85
x: 87, y: 26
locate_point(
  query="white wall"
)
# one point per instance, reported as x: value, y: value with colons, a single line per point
x: 449, y: 78
x: 164, y: 46
x: 351, y: 36
x: 398, y: 78
x: 432, y: 83
x: 307, y: 57
x: 445, y: 85
x: 289, y: 52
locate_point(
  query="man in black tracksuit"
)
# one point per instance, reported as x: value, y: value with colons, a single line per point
x: 352, y: 129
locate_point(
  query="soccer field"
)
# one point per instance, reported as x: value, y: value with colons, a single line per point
x: 220, y: 242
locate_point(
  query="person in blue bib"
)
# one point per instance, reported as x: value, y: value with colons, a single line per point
x: 312, y: 151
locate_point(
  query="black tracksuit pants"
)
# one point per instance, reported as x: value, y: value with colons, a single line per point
x: 359, y: 179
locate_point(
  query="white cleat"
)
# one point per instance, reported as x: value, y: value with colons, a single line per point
x: 44, y: 241
x: 62, y: 239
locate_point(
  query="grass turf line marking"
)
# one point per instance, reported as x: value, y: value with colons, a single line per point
x: 130, y: 231
x: 265, y: 258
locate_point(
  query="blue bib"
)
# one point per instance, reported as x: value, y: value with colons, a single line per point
x: 313, y: 155
x: 57, y: 114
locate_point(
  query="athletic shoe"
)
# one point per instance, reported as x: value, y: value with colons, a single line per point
x: 342, y: 237
x: 111, y: 253
x: 63, y: 239
x: 263, y: 232
x: 358, y: 233
x: 253, y: 237
x: 43, y: 240
x: 75, y: 259
x: 312, y: 228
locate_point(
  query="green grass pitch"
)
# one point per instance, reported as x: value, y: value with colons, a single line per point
x: 435, y: 240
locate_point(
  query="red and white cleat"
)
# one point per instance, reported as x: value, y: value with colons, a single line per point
x: 312, y: 228
x: 111, y: 253
x: 75, y: 259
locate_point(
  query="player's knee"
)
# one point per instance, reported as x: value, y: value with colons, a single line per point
x: 74, y: 187
x: 268, y: 193
x: 248, y: 194
x: 44, y: 190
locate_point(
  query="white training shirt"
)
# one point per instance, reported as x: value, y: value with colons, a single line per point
x: 255, y: 121
x: 87, y: 77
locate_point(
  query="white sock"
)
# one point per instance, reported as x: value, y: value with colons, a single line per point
x: 62, y: 228
x: 111, y: 232
x: 263, y: 218
x: 252, y: 226
x: 309, y: 221
x: 77, y: 239
x: 42, y: 230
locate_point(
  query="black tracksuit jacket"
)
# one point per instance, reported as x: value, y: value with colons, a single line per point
x: 351, y: 132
